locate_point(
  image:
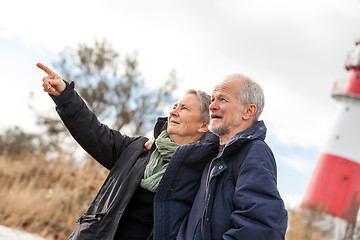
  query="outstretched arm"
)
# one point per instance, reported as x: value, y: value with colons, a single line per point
x: 52, y: 83
x: 101, y: 142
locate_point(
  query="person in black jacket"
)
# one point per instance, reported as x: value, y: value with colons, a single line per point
x: 142, y: 184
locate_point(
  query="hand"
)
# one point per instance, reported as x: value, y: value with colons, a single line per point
x: 52, y: 83
x: 149, y: 143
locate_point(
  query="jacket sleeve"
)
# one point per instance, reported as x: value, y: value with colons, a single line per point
x: 102, y: 143
x: 259, y: 210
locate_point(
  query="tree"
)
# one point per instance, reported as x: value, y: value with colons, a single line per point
x: 16, y: 141
x: 114, y: 90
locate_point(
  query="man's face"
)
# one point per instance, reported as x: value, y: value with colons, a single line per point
x: 225, y: 109
x: 184, y: 120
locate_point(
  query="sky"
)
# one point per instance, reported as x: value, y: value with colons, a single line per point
x: 295, y: 49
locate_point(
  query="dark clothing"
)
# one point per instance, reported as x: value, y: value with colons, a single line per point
x: 126, y: 158
x: 138, y: 219
x: 192, y: 221
x: 253, y: 209
x: 187, y: 229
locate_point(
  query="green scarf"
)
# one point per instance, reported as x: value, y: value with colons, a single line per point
x: 159, y: 160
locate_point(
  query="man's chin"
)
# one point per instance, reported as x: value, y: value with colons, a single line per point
x: 219, y: 129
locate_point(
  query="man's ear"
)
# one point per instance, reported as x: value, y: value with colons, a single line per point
x: 249, y: 111
x: 204, y: 127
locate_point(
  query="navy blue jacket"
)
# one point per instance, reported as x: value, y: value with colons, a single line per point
x: 253, y: 209
x: 126, y: 158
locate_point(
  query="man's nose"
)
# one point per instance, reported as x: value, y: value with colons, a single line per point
x: 213, y: 106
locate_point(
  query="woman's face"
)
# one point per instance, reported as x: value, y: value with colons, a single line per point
x: 184, y: 124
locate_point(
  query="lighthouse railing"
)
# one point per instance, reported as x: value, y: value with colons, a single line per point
x: 339, y: 88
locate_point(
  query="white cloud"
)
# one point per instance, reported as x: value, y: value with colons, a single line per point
x: 289, y: 47
x: 296, y: 50
x: 298, y: 163
x: 292, y: 201
x: 297, y: 119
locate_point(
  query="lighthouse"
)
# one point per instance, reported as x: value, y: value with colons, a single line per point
x: 334, y: 187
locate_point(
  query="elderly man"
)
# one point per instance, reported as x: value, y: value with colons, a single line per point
x: 139, y: 178
x: 238, y: 196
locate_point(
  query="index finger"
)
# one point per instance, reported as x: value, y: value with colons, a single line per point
x: 45, y: 69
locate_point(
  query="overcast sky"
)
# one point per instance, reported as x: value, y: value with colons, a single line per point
x: 295, y: 49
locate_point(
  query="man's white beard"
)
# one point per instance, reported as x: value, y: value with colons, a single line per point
x: 218, y: 130
x: 221, y: 130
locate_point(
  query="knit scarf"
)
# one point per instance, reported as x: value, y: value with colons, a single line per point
x: 159, y: 160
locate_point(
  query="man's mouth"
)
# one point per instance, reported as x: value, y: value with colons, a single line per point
x: 216, y: 116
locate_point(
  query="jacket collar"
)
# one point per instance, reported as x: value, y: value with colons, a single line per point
x: 210, y: 138
x: 256, y: 131
x: 160, y: 125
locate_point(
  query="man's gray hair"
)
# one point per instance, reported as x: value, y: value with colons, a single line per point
x: 251, y: 93
x: 205, y: 100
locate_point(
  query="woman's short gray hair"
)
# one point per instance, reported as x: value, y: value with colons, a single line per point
x: 205, y: 100
x: 251, y: 93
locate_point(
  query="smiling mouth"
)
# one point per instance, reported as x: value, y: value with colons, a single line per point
x: 173, y: 122
x: 215, y: 116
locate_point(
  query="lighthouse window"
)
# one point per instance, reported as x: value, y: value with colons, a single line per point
x: 345, y: 178
x: 347, y: 109
x: 337, y: 137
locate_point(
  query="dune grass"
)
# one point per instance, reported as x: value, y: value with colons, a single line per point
x: 47, y: 197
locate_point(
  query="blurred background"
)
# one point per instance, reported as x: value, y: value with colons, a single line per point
x: 155, y: 50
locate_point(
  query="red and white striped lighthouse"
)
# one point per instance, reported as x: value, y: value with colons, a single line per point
x: 335, y: 184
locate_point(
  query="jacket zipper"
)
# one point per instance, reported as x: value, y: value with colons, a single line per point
x: 207, y: 196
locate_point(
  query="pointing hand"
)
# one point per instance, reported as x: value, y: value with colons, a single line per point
x: 52, y: 83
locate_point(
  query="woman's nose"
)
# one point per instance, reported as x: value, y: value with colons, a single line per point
x: 174, y: 112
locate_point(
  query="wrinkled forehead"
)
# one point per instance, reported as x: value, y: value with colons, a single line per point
x: 228, y: 87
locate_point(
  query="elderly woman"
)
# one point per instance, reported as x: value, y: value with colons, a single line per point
x: 136, y: 200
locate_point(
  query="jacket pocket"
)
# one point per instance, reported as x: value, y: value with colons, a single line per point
x: 97, y: 217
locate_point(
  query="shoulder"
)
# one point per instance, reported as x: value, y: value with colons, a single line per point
x: 210, y: 138
x: 259, y: 148
x: 136, y: 142
x: 260, y: 157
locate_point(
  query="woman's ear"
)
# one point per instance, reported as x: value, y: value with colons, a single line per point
x: 204, y: 127
x: 249, y: 111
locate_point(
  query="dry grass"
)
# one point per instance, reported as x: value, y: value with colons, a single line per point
x: 46, y: 197
x: 301, y: 226
x: 312, y: 223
